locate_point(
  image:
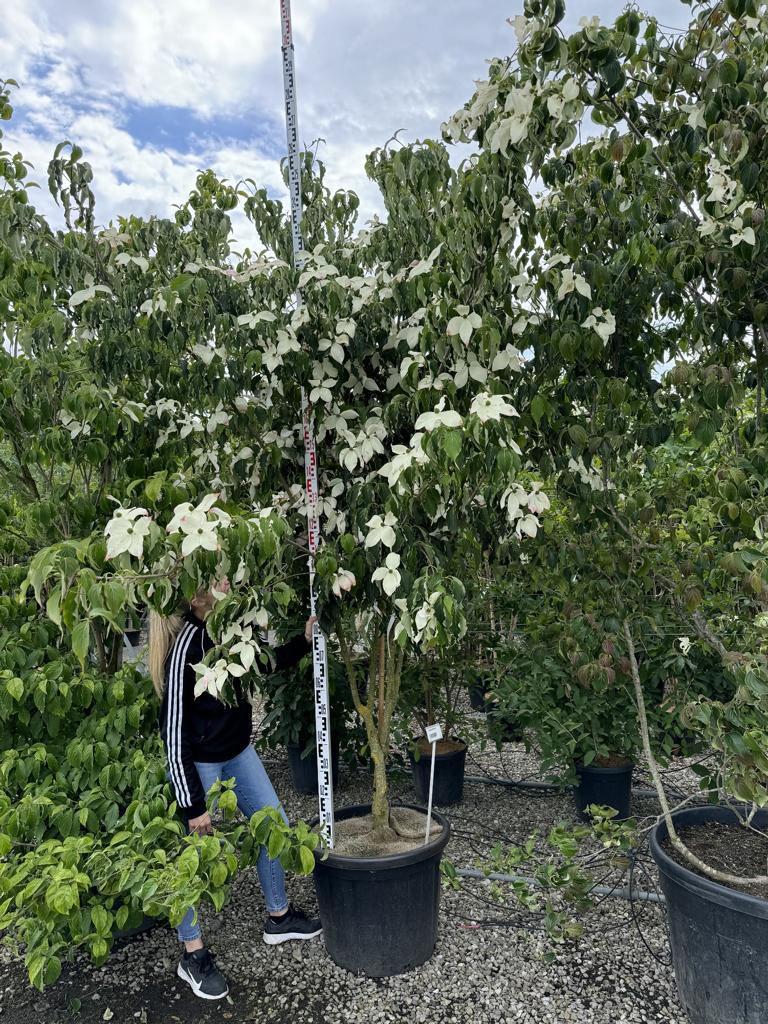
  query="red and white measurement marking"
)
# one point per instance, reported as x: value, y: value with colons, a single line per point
x: 319, y: 651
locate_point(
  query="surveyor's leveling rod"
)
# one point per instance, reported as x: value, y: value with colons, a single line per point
x: 319, y: 653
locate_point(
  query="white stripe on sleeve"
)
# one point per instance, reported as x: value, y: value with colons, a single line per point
x: 175, y: 714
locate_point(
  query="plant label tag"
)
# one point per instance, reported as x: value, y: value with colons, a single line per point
x: 434, y: 733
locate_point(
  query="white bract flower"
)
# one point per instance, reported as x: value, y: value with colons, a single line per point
x: 424, y: 266
x: 589, y: 476
x: 161, y: 303
x: 387, y: 574
x: 513, y: 500
x: 75, y: 427
x: 567, y: 92
x: 527, y: 525
x: 602, y: 321
x: 684, y: 642
x: 90, y: 291
x: 425, y: 619
x: 123, y: 259
x: 571, y: 281
x: 593, y: 22
x: 211, y: 678
x: 538, y: 502
x: 695, y: 114
x: 199, y: 531
x: 126, y: 531
x: 381, y: 531
x: 219, y: 418
x: 741, y: 233
x: 508, y: 358
x: 722, y: 187
x: 205, y: 353
x: 491, y: 407
x: 256, y: 317
x: 343, y: 581
x: 707, y: 227
x: 246, y: 649
x: 440, y: 417
x: 465, y: 368
x: 321, y: 389
x: 510, y: 130
x: 464, y: 323
x: 404, y: 458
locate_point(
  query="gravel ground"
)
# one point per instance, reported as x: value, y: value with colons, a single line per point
x: 478, y: 974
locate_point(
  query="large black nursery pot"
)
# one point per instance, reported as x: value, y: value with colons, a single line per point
x: 304, y: 769
x: 449, y: 774
x: 719, y: 936
x: 380, y: 914
x: 610, y: 786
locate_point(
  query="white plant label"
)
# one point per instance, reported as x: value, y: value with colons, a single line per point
x: 434, y: 733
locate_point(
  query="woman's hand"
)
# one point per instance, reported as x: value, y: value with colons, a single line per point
x: 308, y: 628
x: 202, y: 825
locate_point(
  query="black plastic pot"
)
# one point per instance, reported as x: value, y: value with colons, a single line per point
x: 500, y: 728
x: 719, y: 936
x: 611, y: 787
x: 449, y: 776
x: 477, y: 699
x: 304, y: 769
x: 380, y: 914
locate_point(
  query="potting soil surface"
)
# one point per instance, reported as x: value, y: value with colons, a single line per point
x: 731, y: 848
x: 354, y: 837
x: 493, y: 961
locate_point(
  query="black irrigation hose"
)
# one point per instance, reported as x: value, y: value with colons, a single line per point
x: 634, y: 862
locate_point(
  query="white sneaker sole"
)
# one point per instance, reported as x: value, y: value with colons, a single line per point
x: 275, y: 940
x: 195, y: 985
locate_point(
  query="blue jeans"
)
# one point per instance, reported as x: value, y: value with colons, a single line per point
x: 254, y: 791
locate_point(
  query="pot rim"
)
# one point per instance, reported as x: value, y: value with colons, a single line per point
x: 427, y: 754
x: 608, y: 769
x: 390, y: 861
x: 705, y: 888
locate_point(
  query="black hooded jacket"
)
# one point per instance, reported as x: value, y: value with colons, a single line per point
x: 204, y: 728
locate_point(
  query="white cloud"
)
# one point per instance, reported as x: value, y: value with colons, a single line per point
x: 365, y: 69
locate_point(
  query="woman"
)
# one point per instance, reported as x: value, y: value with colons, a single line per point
x: 206, y: 740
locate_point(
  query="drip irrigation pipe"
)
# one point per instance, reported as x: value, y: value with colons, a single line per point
x: 623, y: 892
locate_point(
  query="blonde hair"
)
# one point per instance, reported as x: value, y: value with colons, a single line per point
x: 163, y: 630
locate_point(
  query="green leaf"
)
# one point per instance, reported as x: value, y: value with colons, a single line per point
x: 728, y: 71
x: 81, y: 637
x: 307, y: 860
x: 538, y: 409
x: 40, y: 569
x: 16, y: 688
x: 52, y: 609
x: 219, y: 875
x: 451, y: 442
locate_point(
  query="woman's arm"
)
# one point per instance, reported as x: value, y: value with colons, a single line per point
x: 175, y: 718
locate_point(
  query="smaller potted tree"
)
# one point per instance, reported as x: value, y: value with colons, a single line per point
x: 434, y: 687
x: 569, y: 688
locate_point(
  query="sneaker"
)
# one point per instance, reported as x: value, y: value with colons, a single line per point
x: 202, y: 975
x: 294, y: 924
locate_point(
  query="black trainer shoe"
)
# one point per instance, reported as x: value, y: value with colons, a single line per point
x: 294, y: 924
x: 202, y: 975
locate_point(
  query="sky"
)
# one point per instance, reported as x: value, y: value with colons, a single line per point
x: 154, y: 92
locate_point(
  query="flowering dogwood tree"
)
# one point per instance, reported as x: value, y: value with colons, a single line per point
x: 479, y: 340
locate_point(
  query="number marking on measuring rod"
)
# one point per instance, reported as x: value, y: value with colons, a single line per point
x: 319, y: 651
